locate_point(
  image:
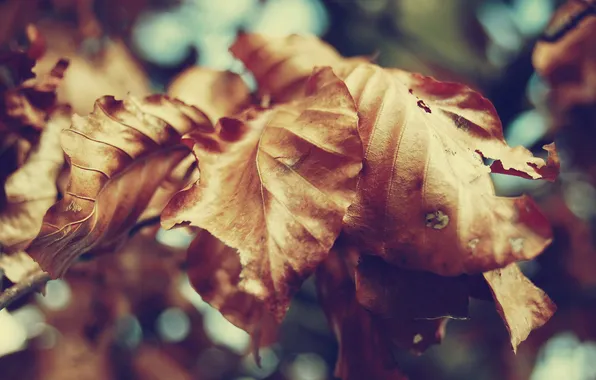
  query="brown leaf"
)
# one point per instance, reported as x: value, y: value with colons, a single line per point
x: 31, y: 190
x: 522, y: 306
x: 425, y: 198
x: 363, y: 351
x: 392, y: 292
x: 282, y: 65
x: 460, y: 106
x: 275, y: 186
x: 26, y: 105
x: 119, y: 156
x: 113, y: 70
x: 214, y: 272
x: 17, y: 266
x: 217, y: 93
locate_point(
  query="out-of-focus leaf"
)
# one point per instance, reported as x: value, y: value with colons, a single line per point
x: 282, y: 65
x: 151, y: 363
x: 217, y: 93
x: 31, y: 190
x: 569, y: 63
x: 392, y: 292
x: 522, y: 306
x: 17, y: 266
x: 113, y: 70
x: 118, y: 156
x: 214, y: 272
x: 275, y: 186
x: 425, y: 198
x: 26, y: 105
x: 363, y: 351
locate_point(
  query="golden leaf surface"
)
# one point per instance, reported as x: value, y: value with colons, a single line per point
x: 31, y: 190
x: 425, y: 198
x: 118, y: 155
x: 522, y: 306
x: 217, y: 93
x: 275, y: 185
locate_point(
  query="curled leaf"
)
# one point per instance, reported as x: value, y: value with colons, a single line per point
x: 31, y: 190
x: 425, y: 199
x: 217, y: 93
x: 118, y: 157
x: 522, y: 306
x: 275, y: 185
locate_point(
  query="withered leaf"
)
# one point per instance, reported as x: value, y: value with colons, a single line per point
x: 364, y: 352
x: 214, y: 272
x: 118, y: 157
x: 522, y: 306
x: 425, y: 199
x: 391, y: 292
x: 113, y: 70
x: 458, y: 105
x: 217, y: 93
x: 31, y: 190
x: 17, y: 266
x: 25, y: 107
x: 282, y: 65
x: 275, y: 186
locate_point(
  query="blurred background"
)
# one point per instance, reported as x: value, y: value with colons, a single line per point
x: 163, y: 329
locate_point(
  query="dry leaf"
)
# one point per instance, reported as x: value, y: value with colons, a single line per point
x: 425, y: 198
x: 111, y: 71
x: 363, y: 351
x: 392, y: 292
x: 282, y: 65
x: 26, y: 105
x: 17, y: 266
x: 522, y: 306
x: 214, y: 272
x: 31, y: 190
x: 119, y: 156
x: 217, y: 93
x: 275, y: 186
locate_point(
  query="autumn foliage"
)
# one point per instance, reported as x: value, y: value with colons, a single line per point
x: 377, y: 181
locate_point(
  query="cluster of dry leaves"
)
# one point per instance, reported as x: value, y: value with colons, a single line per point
x: 375, y: 180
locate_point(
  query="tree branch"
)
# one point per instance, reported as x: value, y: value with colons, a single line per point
x: 31, y: 283
x: 36, y: 280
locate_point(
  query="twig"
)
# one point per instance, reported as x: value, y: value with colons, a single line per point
x: 20, y: 289
x: 38, y: 279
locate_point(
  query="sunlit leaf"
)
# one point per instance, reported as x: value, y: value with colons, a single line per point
x: 31, y: 190
x: 217, y: 93
x: 118, y: 156
x: 425, y: 198
x: 523, y: 306
x: 275, y: 185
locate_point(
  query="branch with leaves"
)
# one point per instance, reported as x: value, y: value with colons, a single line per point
x: 372, y: 178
